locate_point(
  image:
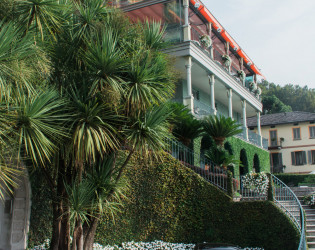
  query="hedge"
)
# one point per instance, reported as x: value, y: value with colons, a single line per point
x: 296, y: 179
x: 169, y: 202
x: 236, y: 145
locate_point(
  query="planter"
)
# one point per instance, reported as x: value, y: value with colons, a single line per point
x: 205, y: 41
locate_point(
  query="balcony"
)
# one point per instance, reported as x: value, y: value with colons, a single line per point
x: 275, y: 144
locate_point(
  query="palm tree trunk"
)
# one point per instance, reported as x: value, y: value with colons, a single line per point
x: 89, y: 240
x: 56, y: 227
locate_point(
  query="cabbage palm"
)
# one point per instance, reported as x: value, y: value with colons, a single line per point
x: 219, y: 128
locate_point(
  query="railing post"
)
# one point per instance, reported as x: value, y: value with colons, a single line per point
x: 270, y: 196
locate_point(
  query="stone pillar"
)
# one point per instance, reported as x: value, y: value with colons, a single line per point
x: 259, y: 128
x: 245, y: 129
x: 230, y: 93
x: 212, y: 98
x: 186, y: 26
x: 189, y: 99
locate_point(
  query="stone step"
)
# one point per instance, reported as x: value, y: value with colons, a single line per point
x: 310, y: 227
x: 310, y: 239
x: 310, y: 232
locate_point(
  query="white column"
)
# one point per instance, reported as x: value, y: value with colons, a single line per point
x: 259, y: 128
x: 230, y: 93
x: 245, y: 129
x: 212, y: 98
x: 186, y: 27
x: 189, y: 99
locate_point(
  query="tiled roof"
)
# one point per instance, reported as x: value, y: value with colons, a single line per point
x: 281, y: 118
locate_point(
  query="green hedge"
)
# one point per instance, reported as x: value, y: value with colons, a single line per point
x: 41, y: 210
x: 296, y: 179
x: 169, y: 202
x: 263, y: 155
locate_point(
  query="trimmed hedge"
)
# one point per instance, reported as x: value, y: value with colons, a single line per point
x: 236, y: 145
x: 169, y: 202
x: 41, y: 210
x: 295, y: 179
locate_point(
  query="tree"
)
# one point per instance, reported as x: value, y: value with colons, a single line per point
x: 272, y: 105
x: 96, y: 88
x: 220, y: 128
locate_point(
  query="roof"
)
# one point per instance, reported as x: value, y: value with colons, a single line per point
x: 281, y: 118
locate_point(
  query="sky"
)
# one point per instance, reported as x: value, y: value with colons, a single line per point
x: 278, y: 36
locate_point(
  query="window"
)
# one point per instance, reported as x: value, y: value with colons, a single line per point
x: 273, y: 137
x: 296, y: 134
x: 298, y: 158
x: 311, y: 157
x: 276, y: 162
x: 312, y: 131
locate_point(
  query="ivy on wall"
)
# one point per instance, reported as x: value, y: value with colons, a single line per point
x: 169, y: 202
x: 236, y: 145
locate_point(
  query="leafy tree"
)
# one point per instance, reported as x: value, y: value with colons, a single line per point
x: 294, y: 96
x: 79, y: 85
x: 272, y: 105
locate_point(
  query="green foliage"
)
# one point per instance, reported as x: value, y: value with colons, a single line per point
x: 168, y: 201
x: 221, y: 157
x: 295, y: 179
x: 272, y: 105
x: 220, y: 128
x: 294, y: 96
x: 41, y: 210
x: 184, y: 125
x: 250, y: 150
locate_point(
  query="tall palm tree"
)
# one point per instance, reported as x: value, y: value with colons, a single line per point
x: 220, y: 128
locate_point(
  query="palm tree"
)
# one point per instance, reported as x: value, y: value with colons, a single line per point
x: 98, y: 91
x: 183, y: 124
x: 220, y: 128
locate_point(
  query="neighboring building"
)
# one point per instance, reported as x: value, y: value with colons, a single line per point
x: 217, y: 76
x: 291, y: 140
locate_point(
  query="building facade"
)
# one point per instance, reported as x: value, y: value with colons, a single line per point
x: 291, y: 140
x: 217, y: 77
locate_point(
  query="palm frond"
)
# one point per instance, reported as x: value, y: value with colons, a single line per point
x: 39, y: 124
x: 219, y: 128
x: 146, y: 133
x: 153, y: 33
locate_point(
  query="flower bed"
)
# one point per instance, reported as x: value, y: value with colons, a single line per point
x: 155, y: 245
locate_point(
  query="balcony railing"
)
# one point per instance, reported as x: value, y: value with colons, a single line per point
x: 199, y: 163
x: 195, y: 37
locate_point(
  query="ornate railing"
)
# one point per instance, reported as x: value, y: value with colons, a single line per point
x: 286, y: 200
x: 199, y: 163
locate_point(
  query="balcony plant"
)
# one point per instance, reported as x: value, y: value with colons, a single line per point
x: 252, y: 86
x: 258, y: 92
x: 205, y: 40
x: 227, y: 61
x: 242, y: 75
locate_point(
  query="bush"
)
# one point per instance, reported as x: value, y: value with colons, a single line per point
x: 169, y: 202
x: 296, y: 179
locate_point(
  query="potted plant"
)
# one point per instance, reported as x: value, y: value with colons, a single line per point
x: 258, y: 91
x: 252, y: 86
x: 310, y: 200
x: 242, y: 75
x: 205, y: 41
x: 227, y: 61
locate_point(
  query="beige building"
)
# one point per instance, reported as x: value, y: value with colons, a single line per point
x: 291, y: 140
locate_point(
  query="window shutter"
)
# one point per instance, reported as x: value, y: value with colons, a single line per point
x: 293, y: 158
x: 309, y: 157
x: 280, y: 159
x: 304, y: 157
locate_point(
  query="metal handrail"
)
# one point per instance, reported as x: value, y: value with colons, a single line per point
x: 286, y: 199
x: 206, y: 169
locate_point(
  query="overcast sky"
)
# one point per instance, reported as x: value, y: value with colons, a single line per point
x: 278, y: 35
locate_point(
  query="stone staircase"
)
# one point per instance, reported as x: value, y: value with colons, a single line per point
x: 309, y: 215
